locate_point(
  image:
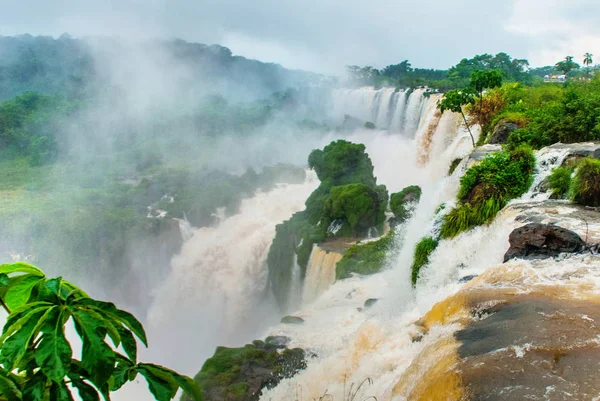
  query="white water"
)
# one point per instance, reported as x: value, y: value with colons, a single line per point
x: 216, y: 291
x: 353, y: 346
x: 387, y: 108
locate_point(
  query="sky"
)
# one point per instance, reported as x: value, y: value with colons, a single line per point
x: 325, y: 35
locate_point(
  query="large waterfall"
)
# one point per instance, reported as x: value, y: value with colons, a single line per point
x: 390, y: 109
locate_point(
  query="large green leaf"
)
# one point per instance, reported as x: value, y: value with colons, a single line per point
x: 35, y: 388
x: 161, y: 389
x: 19, y: 290
x: 15, y: 346
x: 8, y: 387
x: 13, y: 326
x: 124, y: 317
x: 97, y: 357
x: 121, y: 374
x: 60, y: 392
x: 128, y: 342
x: 21, y: 267
x: 86, y: 392
x: 53, y: 354
x: 174, y: 379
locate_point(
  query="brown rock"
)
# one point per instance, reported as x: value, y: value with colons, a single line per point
x: 542, y: 241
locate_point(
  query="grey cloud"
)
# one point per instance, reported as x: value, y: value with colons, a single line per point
x: 311, y: 34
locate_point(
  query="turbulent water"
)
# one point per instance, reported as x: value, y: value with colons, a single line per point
x: 406, y: 346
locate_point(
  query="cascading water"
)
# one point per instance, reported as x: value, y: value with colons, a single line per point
x: 387, y: 108
x: 320, y: 273
x: 216, y: 291
x: 422, y: 362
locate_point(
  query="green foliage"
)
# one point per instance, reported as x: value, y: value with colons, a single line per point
x: 560, y: 181
x: 481, y: 80
x: 585, y: 187
x: 37, y: 360
x: 567, y: 65
x: 400, y: 202
x: 456, y: 99
x: 487, y: 187
x: 342, y: 162
x: 240, y: 373
x: 365, y: 259
x: 423, y: 250
x: 356, y: 204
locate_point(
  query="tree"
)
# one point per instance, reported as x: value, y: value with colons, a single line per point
x: 395, y: 71
x: 587, y: 59
x: 567, y: 65
x: 481, y: 80
x: 37, y: 361
x: 454, y: 101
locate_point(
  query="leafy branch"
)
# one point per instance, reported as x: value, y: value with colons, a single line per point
x: 37, y: 361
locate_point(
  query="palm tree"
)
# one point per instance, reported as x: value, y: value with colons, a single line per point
x: 587, y: 59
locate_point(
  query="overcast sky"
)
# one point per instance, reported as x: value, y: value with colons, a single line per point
x: 325, y: 35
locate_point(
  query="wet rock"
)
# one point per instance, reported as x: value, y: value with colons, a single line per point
x: 466, y: 279
x: 370, y: 302
x: 501, y: 131
x: 541, y: 241
x: 292, y: 320
x: 370, y: 125
x: 278, y: 341
x: 241, y: 374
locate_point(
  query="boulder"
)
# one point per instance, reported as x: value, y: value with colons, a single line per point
x: 278, y: 342
x: 501, y: 131
x: 542, y: 241
x: 292, y: 320
x: 370, y: 302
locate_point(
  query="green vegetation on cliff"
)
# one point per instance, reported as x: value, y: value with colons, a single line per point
x: 239, y: 374
x: 423, y: 250
x: 365, y: 259
x: 487, y: 187
x: 401, y: 203
x: 346, y: 204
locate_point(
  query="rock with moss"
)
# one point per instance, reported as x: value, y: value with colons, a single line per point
x: 241, y: 374
x: 347, y: 203
x: 370, y: 125
x: 403, y: 203
x: 292, y: 320
x: 453, y: 166
x: 559, y: 181
x: 365, y: 259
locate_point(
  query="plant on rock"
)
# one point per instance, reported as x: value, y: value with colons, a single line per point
x: 402, y: 203
x: 368, y: 258
x: 423, y: 250
x: 585, y: 186
x: 560, y: 181
x: 487, y: 187
x: 37, y: 361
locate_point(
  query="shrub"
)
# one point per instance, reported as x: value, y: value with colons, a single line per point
x: 585, y: 187
x: 356, y: 204
x: 366, y: 258
x: 400, y: 202
x: 560, y: 181
x: 423, y: 250
x: 487, y: 187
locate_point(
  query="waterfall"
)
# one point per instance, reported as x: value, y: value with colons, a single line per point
x: 387, y: 108
x: 215, y: 293
x: 320, y: 273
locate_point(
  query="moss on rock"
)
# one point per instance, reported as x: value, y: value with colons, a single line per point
x: 585, y: 186
x: 364, y: 259
x: 402, y: 203
x: 423, y: 250
x: 240, y: 374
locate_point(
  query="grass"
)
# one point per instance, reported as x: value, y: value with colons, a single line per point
x: 560, y: 181
x: 487, y: 187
